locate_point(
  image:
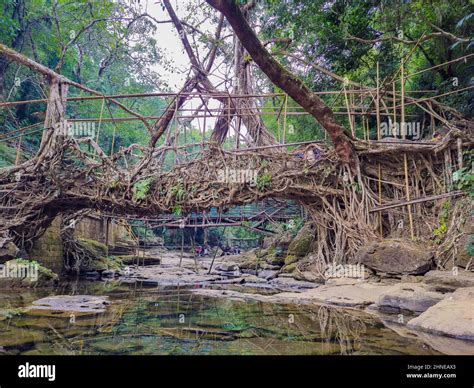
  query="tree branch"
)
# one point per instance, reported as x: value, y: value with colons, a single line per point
x: 281, y: 77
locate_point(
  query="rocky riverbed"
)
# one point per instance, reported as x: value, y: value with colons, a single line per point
x: 439, y: 303
x: 435, y: 308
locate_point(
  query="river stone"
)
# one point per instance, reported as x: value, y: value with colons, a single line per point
x: 396, y: 257
x: 448, y: 280
x: 224, y: 267
x: 452, y: 317
x: 267, y: 274
x: 409, y: 296
x: 347, y: 296
x: 73, y: 303
x: 442, y: 344
x: 291, y: 283
x: 358, y: 295
x: 254, y: 279
x: 342, y: 281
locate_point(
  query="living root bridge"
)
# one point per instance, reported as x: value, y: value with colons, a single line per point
x: 338, y: 201
x: 68, y: 175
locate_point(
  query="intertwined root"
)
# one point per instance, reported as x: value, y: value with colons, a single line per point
x: 72, y: 178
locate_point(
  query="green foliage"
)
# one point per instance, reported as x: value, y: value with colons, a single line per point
x: 464, y: 180
x: 177, y: 210
x: 294, y: 225
x: 7, y: 155
x: 264, y: 180
x: 322, y: 31
x: 443, y: 219
x: 110, y: 53
x: 140, y: 189
x: 178, y: 191
x: 25, y: 262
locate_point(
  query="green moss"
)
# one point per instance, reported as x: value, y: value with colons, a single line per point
x: 104, y: 263
x: 96, y: 247
x: 274, y: 259
x: 290, y: 259
x: 289, y: 268
x: 300, y: 247
x: 46, y: 274
x: 262, y: 253
x: 264, y: 181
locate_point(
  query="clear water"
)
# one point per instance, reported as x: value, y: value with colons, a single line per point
x: 175, y: 321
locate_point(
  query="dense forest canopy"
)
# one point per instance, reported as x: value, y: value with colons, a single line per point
x: 117, y: 47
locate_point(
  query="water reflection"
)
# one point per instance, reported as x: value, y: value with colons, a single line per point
x: 176, y: 321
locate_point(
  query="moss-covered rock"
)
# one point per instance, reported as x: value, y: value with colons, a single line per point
x: 106, y: 263
x: 275, y: 259
x: 300, y: 246
x: 291, y: 259
x: 396, y: 257
x: 289, y: 268
x: 262, y: 253
x: 134, y: 259
x: 249, y: 260
x: 97, y: 248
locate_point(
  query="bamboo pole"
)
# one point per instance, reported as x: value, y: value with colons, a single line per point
x: 394, y: 88
x: 284, y: 118
x: 348, y: 111
x: 18, y: 151
x: 379, y: 136
x: 459, y: 146
x: 405, y: 158
x: 418, y: 200
x: 377, y: 106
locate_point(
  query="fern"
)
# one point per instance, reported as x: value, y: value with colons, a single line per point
x: 264, y: 181
x: 179, y: 192
x: 141, y: 188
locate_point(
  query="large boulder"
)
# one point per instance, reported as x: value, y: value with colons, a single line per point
x: 464, y: 258
x: 452, y: 317
x: 449, y: 280
x: 409, y: 297
x: 72, y: 303
x: 396, y: 257
x: 300, y: 246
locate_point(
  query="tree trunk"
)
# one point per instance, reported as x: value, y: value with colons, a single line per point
x: 281, y: 77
